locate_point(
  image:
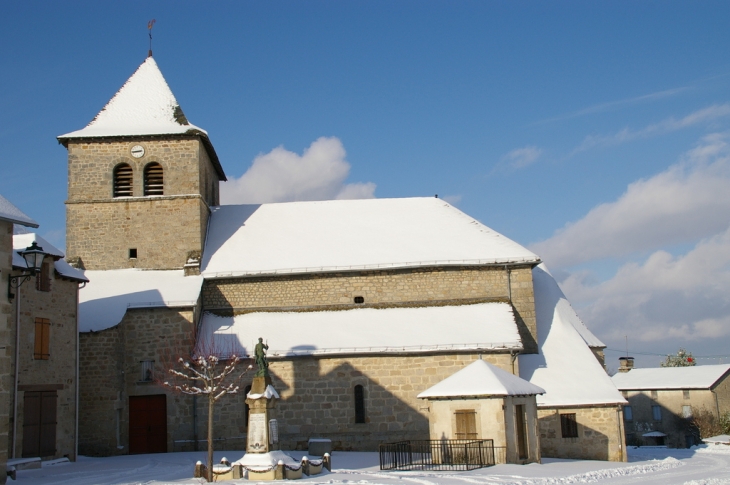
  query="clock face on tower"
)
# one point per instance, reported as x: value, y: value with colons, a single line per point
x: 137, y: 151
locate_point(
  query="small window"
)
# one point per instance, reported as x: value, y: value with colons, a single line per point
x: 568, y: 425
x: 132, y: 253
x: 147, y: 368
x: 42, y: 342
x: 466, y: 424
x: 686, y: 411
x: 359, y: 299
x: 123, y: 181
x: 43, y: 278
x: 153, y: 179
x: 654, y: 394
x: 685, y: 393
x: 359, y: 404
x: 656, y: 412
x: 628, y: 413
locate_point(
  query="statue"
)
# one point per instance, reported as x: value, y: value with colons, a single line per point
x: 260, y: 356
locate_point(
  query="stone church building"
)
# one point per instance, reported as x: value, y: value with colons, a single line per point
x: 364, y: 303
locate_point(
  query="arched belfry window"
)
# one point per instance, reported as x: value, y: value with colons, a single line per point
x: 153, y: 179
x: 123, y: 180
x: 359, y: 404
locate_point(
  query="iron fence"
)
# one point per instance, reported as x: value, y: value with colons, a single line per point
x: 437, y: 455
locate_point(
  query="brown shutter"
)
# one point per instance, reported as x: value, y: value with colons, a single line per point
x: 41, y: 349
x: 466, y: 424
x: 39, y: 423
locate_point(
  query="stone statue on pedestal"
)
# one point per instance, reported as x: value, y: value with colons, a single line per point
x: 260, y: 357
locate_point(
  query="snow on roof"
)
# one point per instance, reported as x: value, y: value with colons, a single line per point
x: 68, y: 271
x: 104, y: 301
x: 366, y: 330
x: 480, y: 378
x: 10, y: 213
x: 695, y: 377
x: 22, y: 241
x: 342, y: 235
x: 144, y: 105
x: 565, y: 366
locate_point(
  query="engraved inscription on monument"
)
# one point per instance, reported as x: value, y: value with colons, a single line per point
x: 257, y: 432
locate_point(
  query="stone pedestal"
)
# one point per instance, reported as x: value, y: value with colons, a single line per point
x: 262, y: 432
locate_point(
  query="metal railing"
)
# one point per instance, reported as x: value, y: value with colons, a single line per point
x: 437, y: 455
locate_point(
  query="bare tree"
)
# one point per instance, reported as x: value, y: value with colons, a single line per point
x: 206, y: 375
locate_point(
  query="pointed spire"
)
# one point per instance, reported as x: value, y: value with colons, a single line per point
x: 145, y: 105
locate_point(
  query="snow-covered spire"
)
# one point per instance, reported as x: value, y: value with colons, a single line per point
x: 144, y: 105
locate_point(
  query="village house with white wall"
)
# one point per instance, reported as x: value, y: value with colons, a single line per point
x: 365, y: 304
x: 661, y: 401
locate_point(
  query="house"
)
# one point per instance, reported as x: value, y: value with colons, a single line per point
x: 364, y: 303
x: 662, y: 399
x: 40, y: 340
x: 482, y: 401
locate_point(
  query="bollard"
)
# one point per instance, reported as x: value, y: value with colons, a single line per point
x: 327, y: 462
x: 305, y: 465
x: 200, y: 471
x: 279, y: 473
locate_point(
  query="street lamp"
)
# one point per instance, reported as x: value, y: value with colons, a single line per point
x: 33, y: 256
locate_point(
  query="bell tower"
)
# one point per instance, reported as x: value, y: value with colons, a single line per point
x: 141, y: 181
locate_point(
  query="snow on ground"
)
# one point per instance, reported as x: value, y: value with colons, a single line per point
x: 647, y: 466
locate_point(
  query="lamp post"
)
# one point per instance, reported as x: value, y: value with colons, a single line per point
x: 33, y: 256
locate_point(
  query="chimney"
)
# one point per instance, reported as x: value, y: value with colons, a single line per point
x: 625, y: 364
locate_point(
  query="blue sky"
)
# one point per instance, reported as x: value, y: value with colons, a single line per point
x: 594, y: 133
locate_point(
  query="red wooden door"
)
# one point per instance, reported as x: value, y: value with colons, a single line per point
x: 39, y: 423
x: 148, y: 424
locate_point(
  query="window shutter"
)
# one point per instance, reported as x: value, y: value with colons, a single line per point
x: 466, y: 424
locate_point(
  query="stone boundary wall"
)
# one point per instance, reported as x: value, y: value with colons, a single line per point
x: 102, y: 232
x: 600, y: 433
x: 385, y: 286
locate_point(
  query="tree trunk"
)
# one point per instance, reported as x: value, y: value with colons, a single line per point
x: 211, y: 405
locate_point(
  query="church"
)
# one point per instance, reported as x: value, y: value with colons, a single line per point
x: 364, y: 304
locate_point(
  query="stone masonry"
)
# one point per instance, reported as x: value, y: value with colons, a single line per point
x: 164, y: 229
x: 6, y: 337
x: 58, y: 372
x: 600, y: 433
x: 420, y: 285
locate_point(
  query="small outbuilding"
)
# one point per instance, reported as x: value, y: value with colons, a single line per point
x: 482, y: 401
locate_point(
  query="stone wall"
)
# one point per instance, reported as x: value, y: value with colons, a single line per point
x: 58, y: 372
x: 164, y: 229
x: 111, y: 372
x: 6, y: 349
x: 378, y: 287
x: 600, y: 434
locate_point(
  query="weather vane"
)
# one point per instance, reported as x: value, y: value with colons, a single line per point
x: 150, y: 24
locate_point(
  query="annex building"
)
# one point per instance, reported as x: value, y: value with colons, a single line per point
x: 365, y: 304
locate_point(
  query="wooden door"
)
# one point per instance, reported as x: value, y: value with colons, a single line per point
x: 148, y: 424
x: 39, y: 423
x: 521, y: 430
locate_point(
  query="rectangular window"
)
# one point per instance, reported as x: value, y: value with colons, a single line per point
x: 686, y: 411
x: 147, y: 367
x: 42, y: 341
x: 466, y: 424
x: 654, y: 394
x: 43, y: 278
x: 656, y: 412
x: 685, y: 393
x: 628, y: 413
x: 568, y: 425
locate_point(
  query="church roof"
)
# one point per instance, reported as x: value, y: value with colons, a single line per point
x: 693, y: 377
x: 479, y: 326
x: 480, y: 378
x: 564, y: 357
x: 348, y: 235
x: 144, y: 106
x: 10, y: 213
x: 104, y: 301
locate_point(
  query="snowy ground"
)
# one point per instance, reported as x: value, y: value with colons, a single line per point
x: 646, y: 466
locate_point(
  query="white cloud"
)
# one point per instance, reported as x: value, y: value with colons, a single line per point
x: 522, y: 157
x: 688, y: 201
x: 283, y: 176
x: 665, y: 126
x: 663, y: 298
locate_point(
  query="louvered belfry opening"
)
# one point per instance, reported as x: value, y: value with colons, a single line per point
x: 123, y: 181
x: 153, y: 179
